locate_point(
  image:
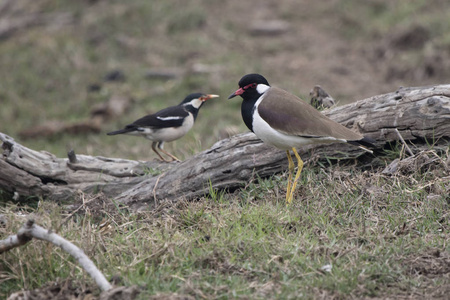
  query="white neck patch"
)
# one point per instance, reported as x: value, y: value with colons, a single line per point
x: 262, y: 88
x: 195, y: 103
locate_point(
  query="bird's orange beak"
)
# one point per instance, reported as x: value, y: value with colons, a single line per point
x: 207, y: 97
x: 237, y: 93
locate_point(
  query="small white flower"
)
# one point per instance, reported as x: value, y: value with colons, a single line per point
x: 327, y: 268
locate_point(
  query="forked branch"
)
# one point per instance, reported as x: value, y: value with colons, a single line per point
x: 30, y: 230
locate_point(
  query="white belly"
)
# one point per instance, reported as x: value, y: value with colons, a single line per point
x: 283, y: 141
x: 166, y: 134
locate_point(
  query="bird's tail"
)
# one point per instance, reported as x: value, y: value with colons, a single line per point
x: 121, y: 131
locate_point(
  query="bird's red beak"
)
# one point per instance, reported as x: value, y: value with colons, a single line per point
x: 207, y: 97
x: 237, y: 93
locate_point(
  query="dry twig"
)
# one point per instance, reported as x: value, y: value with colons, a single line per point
x: 30, y: 230
x: 403, y: 142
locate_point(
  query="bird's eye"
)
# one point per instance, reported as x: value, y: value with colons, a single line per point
x: 248, y: 86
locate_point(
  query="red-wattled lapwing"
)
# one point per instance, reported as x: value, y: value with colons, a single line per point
x: 286, y: 122
x: 168, y: 124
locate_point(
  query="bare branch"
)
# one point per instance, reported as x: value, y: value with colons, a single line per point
x: 13, y: 241
x: 30, y: 230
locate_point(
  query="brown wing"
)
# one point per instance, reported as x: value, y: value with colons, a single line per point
x: 290, y: 115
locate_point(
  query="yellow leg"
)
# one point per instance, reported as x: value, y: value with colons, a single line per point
x: 154, y: 149
x: 171, y: 156
x: 291, y: 171
x: 297, y: 176
x: 154, y: 144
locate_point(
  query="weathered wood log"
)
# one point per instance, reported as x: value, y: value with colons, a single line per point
x: 39, y: 173
x: 419, y: 114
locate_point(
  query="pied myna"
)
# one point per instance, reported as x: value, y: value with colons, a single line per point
x: 168, y: 124
x: 283, y: 120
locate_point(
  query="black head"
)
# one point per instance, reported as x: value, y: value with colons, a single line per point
x: 251, y: 87
x: 248, y: 85
x: 191, y: 97
x: 252, y: 78
x: 193, y: 102
x: 197, y: 99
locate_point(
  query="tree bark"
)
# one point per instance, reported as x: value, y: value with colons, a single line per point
x: 419, y: 114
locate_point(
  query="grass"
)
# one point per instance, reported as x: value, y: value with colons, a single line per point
x: 47, y: 70
x: 382, y: 235
x: 55, y: 86
x: 379, y: 234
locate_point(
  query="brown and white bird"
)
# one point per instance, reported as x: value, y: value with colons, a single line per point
x: 168, y: 124
x: 283, y: 120
x: 321, y: 99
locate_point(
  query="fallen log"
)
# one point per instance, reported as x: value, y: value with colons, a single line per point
x: 420, y: 115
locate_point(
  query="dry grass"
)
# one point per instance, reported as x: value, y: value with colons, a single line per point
x: 48, y: 70
x: 384, y: 236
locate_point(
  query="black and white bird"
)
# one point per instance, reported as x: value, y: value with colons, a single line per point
x: 168, y: 124
x: 285, y: 121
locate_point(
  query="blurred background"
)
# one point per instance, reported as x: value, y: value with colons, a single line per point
x: 73, y: 70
